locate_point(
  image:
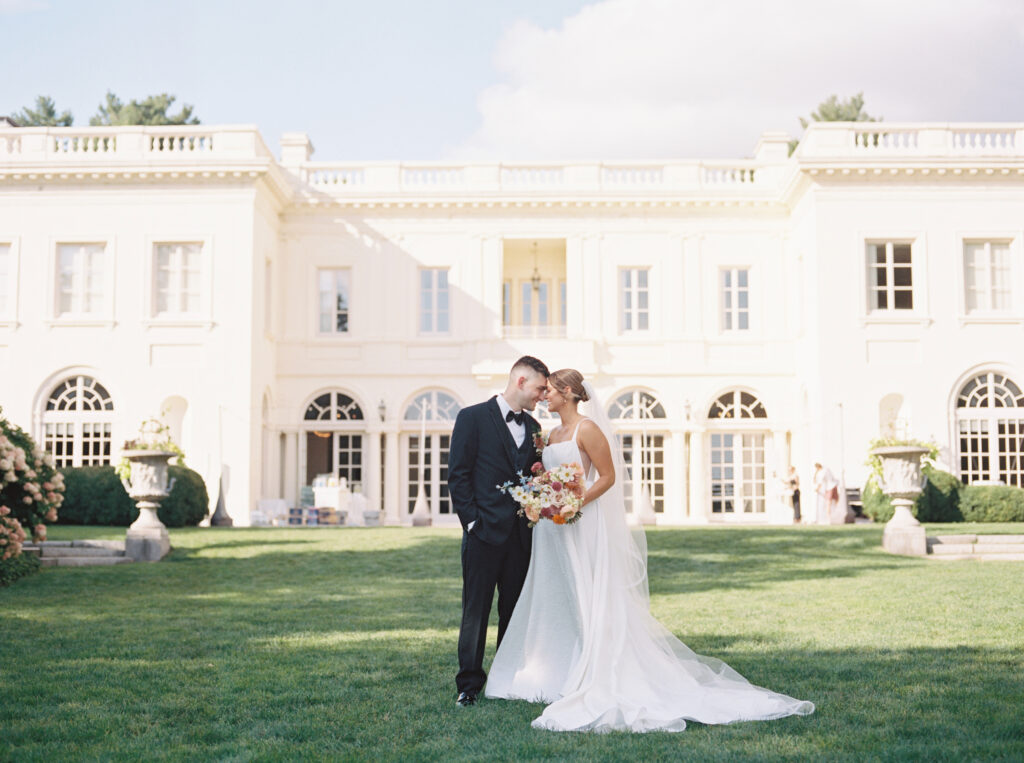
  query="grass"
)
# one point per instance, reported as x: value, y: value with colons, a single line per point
x: 276, y: 644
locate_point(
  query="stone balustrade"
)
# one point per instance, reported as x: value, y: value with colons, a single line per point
x: 515, y: 178
x: 865, y: 140
x: 28, y: 150
x: 102, y: 146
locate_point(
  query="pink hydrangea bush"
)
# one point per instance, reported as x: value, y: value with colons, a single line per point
x: 30, y: 487
x: 12, y: 535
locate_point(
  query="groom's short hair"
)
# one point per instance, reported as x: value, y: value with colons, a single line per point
x: 528, y: 361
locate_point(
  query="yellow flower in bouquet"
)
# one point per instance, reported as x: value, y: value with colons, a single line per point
x: 555, y: 494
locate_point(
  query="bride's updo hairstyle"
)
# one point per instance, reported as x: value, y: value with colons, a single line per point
x: 571, y: 380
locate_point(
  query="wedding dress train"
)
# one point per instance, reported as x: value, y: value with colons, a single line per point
x: 583, y: 640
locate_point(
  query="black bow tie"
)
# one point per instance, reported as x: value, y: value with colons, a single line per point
x: 517, y: 416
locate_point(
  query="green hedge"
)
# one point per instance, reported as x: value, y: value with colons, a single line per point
x: 939, y: 501
x: 17, y: 567
x: 992, y: 503
x: 95, y: 496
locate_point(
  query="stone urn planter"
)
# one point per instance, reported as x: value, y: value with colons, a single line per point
x: 901, y: 478
x: 147, y: 539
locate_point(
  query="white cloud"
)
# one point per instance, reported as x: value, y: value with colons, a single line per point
x: 11, y: 7
x: 703, y: 78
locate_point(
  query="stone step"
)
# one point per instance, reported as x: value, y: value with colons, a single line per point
x: 87, y: 561
x: 999, y: 548
x: 79, y: 551
x: 953, y: 539
x: 945, y: 549
x: 999, y: 540
x: 977, y: 557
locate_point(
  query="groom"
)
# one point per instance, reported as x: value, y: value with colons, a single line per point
x: 492, y: 443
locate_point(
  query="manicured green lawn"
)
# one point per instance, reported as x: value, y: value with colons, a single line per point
x: 276, y: 644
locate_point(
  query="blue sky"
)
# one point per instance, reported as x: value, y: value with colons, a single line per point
x: 443, y: 79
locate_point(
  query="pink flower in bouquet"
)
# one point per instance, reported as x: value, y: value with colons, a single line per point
x: 556, y: 486
x: 537, y: 468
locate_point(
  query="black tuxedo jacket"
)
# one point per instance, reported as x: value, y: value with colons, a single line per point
x: 483, y: 455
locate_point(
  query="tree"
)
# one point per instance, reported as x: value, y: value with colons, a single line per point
x: 43, y: 115
x: 834, y: 110
x: 151, y: 110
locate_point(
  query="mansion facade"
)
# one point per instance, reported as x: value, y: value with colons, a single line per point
x: 290, y: 318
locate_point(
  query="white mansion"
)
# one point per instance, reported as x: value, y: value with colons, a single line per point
x: 292, y: 318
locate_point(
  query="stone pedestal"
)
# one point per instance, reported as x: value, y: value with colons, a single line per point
x: 903, y: 534
x: 147, y: 539
x: 901, y: 467
x: 147, y: 545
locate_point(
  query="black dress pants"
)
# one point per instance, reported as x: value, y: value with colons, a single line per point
x: 484, y: 568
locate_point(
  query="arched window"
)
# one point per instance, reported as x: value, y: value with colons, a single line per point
x: 433, y: 405
x: 334, y: 438
x: 77, y: 422
x: 737, y: 405
x: 334, y: 406
x: 736, y: 458
x: 429, y: 419
x: 641, y: 441
x: 636, y: 404
x: 990, y: 427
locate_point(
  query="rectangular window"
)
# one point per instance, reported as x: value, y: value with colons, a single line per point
x: 434, y: 301
x: 987, y: 277
x: 506, y: 303
x: 890, y: 276
x: 634, y: 299
x: 562, y: 302
x: 735, y: 284
x: 6, y: 277
x: 334, y: 300
x: 81, y: 274
x: 176, y: 268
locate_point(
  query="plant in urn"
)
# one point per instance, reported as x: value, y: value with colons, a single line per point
x: 147, y: 459
x: 901, y: 477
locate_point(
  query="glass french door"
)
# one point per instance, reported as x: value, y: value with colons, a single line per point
x: 643, y: 455
x: 737, y: 474
x: 337, y: 453
x: 434, y: 476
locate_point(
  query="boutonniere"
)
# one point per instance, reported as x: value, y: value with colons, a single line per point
x: 538, y: 443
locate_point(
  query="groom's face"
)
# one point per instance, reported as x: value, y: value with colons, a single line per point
x: 533, y: 387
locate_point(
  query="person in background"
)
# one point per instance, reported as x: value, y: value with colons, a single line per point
x: 793, y: 486
x: 827, y: 488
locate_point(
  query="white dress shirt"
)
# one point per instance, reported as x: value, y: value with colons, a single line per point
x: 518, y: 430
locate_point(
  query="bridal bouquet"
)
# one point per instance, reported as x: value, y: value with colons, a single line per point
x: 555, y: 494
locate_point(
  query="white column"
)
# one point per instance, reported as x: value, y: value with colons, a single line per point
x: 675, y: 478
x: 371, y: 483
x: 775, y: 461
x: 291, y: 467
x: 491, y: 278
x: 699, y: 509
x: 392, y: 497
x: 575, y: 270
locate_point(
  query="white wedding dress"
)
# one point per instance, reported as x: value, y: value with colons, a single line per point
x: 583, y: 640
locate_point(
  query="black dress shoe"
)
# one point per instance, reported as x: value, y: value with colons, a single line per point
x: 466, y: 699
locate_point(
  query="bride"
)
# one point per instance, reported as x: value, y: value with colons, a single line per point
x: 582, y: 638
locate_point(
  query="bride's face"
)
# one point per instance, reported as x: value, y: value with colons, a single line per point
x: 556, y: 399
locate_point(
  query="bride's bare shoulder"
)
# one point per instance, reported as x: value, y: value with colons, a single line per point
x: 590, y: 430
